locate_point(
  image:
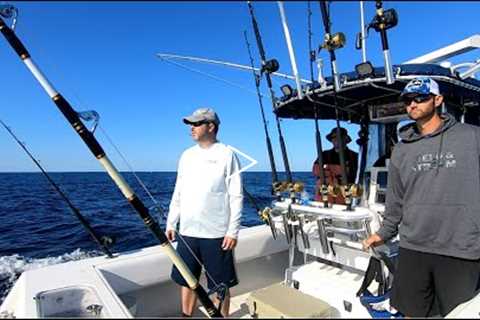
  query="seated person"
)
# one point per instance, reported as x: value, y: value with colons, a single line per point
x: 332, y: 168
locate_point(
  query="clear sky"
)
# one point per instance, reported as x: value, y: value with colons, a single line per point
x: 102, y: 56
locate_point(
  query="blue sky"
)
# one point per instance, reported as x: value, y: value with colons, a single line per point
x: 102, y: 56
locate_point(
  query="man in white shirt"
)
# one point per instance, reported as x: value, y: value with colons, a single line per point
x: 207, y: 203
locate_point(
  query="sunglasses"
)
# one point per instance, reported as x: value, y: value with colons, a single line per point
x: 418, y: 99
x: 199, y: 123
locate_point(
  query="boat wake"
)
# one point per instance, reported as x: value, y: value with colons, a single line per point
x: 11, y: 267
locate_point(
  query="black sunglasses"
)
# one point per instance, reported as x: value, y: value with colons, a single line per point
x: 418, y: 99
x: 199, y: 123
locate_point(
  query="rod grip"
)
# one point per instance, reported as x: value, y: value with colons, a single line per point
x: 13, y: 40
x: 78, y: 125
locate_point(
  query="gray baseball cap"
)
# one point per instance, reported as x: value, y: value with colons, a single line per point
x: 202, y: 114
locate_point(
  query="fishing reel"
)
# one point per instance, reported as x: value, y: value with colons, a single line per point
x: 8, y: 11
x: 296, y: 186
x: 334, y: 190
x: 266, y: 216
x: 280, y: 186
x: 270, y: 66
x: 352, y: 190
x: 323, y: 190
x: 285, y: 186
x: 333, y: 42
x: 384, y: 19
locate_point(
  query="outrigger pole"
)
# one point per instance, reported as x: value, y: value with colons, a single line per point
x: 169, y: 56
x: 96, y: 149
x: 103, y: 241
x: 267, y: 136
x: 267, y: 68
x: 323, y: 190
x: 288, y: 40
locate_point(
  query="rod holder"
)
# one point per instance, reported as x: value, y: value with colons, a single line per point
x: 322, y: 235
x: 336, y: 77
x: 305, y: 239
x: 286, y: 227
x: 388, y: 67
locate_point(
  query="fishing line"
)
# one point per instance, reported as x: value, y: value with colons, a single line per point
x: 211, y: 76
x: 157, y: 204
x: 103, y: 241
x: 207, y: 274
x: 81, y: 103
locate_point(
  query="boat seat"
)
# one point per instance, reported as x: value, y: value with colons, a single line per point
x: 280, y: 301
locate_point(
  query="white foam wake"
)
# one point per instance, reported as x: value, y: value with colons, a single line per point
x: 11, y: 267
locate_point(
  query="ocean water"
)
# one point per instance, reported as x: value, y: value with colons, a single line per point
x: 37, y: 228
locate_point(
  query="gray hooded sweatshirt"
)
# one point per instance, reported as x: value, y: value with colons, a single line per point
x: 433, y: 194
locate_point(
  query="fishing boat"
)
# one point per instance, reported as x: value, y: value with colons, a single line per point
x: 307, y: 260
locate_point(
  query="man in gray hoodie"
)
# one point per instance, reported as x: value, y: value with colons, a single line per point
x: 433, y: 203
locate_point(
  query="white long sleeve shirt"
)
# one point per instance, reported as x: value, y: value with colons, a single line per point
x: 208, y: 195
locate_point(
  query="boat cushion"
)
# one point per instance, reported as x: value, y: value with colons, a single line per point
x: 280, y: 301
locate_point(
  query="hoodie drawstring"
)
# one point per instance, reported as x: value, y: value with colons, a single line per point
x: 439, y: 153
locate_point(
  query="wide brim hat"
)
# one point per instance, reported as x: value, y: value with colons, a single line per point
x: 344, y: 133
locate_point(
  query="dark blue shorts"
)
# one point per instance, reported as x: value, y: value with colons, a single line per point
x: 218, y: 263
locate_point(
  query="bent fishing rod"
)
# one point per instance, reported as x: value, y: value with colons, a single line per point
x: 267, y: 68
x: 96, y: 149
x: 103, y: 241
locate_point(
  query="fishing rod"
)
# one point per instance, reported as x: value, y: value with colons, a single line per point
x: 363, y: 142
x: 96, y: 149
x: 265, y: 128
x: 382, y: 21
x: 104, y: 240
x: 267, y: 68
x: 323, y: 189
x: 331, y: 43
x: 264, y: 214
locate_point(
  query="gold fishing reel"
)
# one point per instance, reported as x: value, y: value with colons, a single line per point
x: 296, y: 186
x: 334, y: 41
x: 323, y: 192
x: 284, y: 186
x: 280, y: 186
x: 334, y: 190
x: 265, y: 214
x: 352, y: 190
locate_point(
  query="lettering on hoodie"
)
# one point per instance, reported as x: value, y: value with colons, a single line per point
x: 430, y: 161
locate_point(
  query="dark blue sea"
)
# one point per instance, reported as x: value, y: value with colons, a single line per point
x: 37, y: 228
